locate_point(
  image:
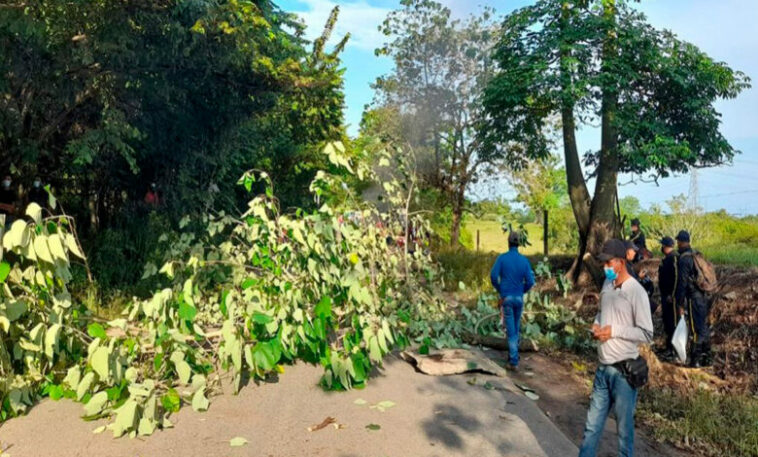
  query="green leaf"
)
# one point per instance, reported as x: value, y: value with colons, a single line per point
x: 263, y: 319
x: 324, y: 307
x: 237, y: 442
x: 84, y: 385
x: 96, y: 404
x: 100, y: 362
x: 5, y: 268
x: 171, y: 401
x: 187, y: 312
x: 96, y: 330
x: 184, y: 371
x: 35, y: 212
x: 373, y: 427
x: 51, y: 340
x: 15, y: 310
x: 360, y: 402
x: 199, y: 401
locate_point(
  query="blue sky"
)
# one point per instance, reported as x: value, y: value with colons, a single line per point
x: 725, y: 29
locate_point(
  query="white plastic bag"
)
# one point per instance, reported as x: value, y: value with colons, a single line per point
x: 680, y: 340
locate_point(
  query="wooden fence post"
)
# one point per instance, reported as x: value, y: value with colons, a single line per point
x: 544, y: 233
x: 477, y: 240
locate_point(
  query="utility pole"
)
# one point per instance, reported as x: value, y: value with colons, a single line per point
x: 694, y: 191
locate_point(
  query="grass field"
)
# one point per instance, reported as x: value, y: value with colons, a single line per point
x: 492, y: 238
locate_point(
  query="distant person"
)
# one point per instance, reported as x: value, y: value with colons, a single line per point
x: 622, y: 324
x: 689, y: 296
x: 641, y: 277
x: 512, y: 277
x: 151, y: 196
x: 638, y: 238
x: 37, y: 194
x: 668, y: 272
x: 8, y: 198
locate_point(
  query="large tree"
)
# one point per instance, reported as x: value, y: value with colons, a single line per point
x: 599, y: 62
x: 101, y: 98
x: 441, y: 68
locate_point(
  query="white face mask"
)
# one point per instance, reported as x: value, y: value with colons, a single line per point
x: 6, y: 183
x: 37, y: 183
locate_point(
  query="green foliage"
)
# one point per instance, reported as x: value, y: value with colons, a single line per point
x: 249, y: 296
x: 664, y: 88
x: 102, y: 98
x: 712, y: 424
x: 38, y: 320
x: 544, y: 321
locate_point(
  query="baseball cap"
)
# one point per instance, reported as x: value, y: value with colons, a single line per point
x: 684, y: 236
x: 635, y: 221
x: 631, y: 245
x: 667, y: 241
x: 612, y: 249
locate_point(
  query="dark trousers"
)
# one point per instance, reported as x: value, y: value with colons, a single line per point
x: 668, y: 310
x: 697, y: 306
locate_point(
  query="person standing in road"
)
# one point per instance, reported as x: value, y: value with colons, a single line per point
x: 667, y: 280
x: 689, y: 296
x: 512, y: 277
x: 622, y: 324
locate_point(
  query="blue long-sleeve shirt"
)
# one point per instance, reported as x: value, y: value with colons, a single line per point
x: 512, y: 274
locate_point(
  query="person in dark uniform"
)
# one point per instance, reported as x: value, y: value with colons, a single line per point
x: 37, y: 194
x: 8, y: 199
x: 667, y: 280
x: 631, y: 254
x: 694, y: 301
x: 638, y: 238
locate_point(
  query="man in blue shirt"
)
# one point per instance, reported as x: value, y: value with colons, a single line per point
x: 512, y: 277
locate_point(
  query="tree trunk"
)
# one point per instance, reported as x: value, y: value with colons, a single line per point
x: 459, y: 200
x: 602, y: 216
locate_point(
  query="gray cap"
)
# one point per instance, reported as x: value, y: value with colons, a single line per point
x: 612, y: 249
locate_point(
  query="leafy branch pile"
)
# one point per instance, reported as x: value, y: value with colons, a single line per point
x: 39, y: 331
x: 255, y: 293
x: 544, y: 321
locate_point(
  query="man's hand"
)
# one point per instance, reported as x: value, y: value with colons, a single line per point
x: 602, y: 334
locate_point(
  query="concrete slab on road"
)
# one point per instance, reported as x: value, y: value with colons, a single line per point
x: 432, y: 416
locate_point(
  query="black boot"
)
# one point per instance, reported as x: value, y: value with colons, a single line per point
x: 697, y: 351
x: 706, y: 358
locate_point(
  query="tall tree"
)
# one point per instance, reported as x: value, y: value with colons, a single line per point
x: 102, y: 98
x: 441, y: 68
x: 599, y: 61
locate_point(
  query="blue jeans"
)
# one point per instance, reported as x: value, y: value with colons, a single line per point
x: 513, y: 306
x: 610, y: 392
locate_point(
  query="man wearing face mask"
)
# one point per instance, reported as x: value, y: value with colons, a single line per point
x: 7, y: 199
x: 622, y: 324
x: 37, y: 194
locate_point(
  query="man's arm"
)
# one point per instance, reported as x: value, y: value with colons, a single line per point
x: 495, y: 275
x: 683, y: 275
x: 642, y: 330
x: 529, y: 277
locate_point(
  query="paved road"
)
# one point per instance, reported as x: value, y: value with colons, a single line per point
x: 433, y: 417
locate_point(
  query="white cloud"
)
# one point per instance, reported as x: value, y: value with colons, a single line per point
x: 357, y: 18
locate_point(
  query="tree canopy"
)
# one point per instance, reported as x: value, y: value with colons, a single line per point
x: 600, y: 62
x: 102, y: 98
